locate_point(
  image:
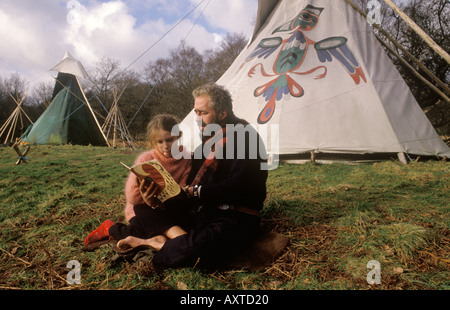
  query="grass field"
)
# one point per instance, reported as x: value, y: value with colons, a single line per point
x: 338, y: 218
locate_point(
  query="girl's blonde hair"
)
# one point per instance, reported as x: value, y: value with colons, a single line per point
x: 161, y: 121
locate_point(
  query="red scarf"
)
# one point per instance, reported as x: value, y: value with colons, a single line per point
x: 210, y: 164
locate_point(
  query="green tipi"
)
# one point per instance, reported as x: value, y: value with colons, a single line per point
x: 69, y: 118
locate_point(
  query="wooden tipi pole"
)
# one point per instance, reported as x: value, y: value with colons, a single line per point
x: 408, y: 54
x: 419, y: 31
x: 13, y: 118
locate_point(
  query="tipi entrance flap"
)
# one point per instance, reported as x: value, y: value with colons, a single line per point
x: 51, y: 124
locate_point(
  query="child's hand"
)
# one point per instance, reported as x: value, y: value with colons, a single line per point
x: 149, y: 190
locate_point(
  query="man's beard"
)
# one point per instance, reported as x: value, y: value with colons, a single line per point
x: 216, y: 121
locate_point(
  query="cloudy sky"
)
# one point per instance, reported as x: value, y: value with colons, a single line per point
x: 35, y: 34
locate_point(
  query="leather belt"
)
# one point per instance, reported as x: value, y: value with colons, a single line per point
x: 241, y: 209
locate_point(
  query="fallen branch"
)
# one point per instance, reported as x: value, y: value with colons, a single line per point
x: 18, y: 258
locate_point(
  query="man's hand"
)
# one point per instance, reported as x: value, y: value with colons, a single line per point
x: 149, y: 190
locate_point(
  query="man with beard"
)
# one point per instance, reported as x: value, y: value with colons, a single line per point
x: 227, y: 188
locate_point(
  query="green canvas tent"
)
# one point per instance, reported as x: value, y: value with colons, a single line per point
x: 69, y: 118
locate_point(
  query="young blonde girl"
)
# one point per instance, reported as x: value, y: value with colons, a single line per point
x: 160, y: 141
x: 144, y: 221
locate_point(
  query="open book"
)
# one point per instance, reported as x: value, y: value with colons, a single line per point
x: 154, y: 171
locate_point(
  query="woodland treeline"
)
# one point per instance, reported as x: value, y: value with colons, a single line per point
x: 165, y: 85
x: 162, y: 86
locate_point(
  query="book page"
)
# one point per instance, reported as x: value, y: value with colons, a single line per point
x: 160, y: 176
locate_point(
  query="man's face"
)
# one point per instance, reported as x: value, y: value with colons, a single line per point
x: 208, y: 115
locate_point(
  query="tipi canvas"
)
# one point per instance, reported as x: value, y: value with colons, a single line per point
x: 315, y: 71
x: 69, y: 118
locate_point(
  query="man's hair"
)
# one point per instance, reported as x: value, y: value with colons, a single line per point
x: 161, y: 121
x: 220, y: 98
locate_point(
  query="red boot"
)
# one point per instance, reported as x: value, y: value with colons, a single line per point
x: 100, y: 233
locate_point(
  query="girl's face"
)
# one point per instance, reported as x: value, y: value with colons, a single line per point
x: 164, y: 141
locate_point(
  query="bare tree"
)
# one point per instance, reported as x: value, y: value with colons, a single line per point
x: 172, y: 80
x: 42, y: 94
x: 15, y: 85
x: 13, y: 91
x: 158, y: 75
x: 219, y: 60
x: 100, y: 83
x: 186, y: 68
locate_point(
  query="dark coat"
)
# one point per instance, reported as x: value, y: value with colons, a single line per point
x: 239, y: 178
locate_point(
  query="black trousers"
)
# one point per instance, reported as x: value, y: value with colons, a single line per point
x: 150, y: 222
x: 215, y: 236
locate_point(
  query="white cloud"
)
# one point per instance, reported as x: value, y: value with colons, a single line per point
x: 103, y: 29
x: 232, y: 15
x: 218, y: 38
x: 30, y: 37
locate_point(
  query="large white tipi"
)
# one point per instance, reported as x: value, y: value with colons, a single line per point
x: 315, y: 70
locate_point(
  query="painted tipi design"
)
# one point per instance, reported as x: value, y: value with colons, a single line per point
x: 292, y: 51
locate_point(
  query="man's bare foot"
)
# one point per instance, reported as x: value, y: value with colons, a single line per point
x: 131, y: 242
